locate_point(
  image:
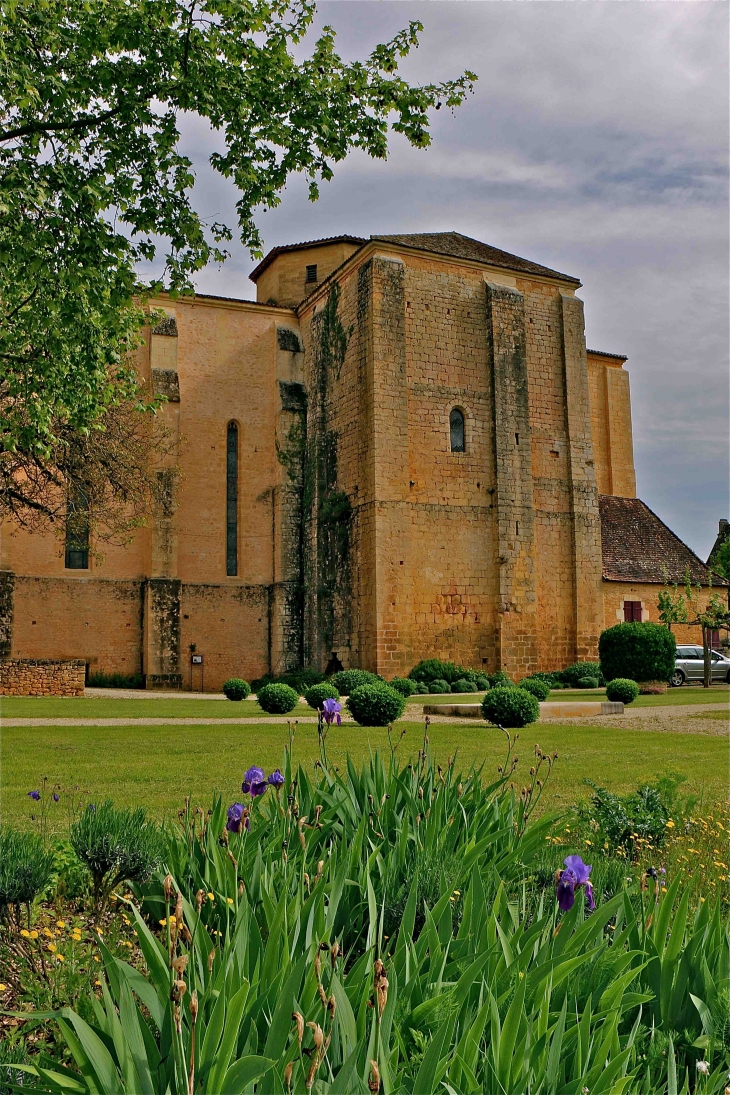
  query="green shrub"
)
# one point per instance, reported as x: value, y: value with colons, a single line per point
x: 318, y: 693
x: 277, y: 699
x: 622, y: 690
x: 500, y: 679
x: 573, y: 673
x: 25, y: 867
x: 375, y: 705
x: 433, y: 669
x: 404, y: 685
x: 481, y: 681
x: 116, y: 845
x: 439, y: 688
x: 637, y: 652
x: 347, y: 680
x: 236, y: 689
x: 588, y: 682
x: 116, y: 680
x: 550, y: 679
x: 627, y: 821
x: 464, y: 685
x: 510, y: 706
x: 537, y: 688
x: 558, y: 686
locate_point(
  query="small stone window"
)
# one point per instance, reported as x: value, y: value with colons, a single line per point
x: 232, y: 500
x: 77, y: 530
x: 456, y: 429
x: 311, y: 274
x: 632, y: 612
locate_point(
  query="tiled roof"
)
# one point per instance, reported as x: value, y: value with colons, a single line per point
x: 638, y: 547
x: 464, y: 247
x: 604, y: 353
x: 268, y: 259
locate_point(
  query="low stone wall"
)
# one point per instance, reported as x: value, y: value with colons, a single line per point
x: 37, y: 677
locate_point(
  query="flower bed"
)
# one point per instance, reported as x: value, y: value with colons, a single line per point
x: 401, y: 923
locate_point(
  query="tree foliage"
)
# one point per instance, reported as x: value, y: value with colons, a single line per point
x: 93, y: 182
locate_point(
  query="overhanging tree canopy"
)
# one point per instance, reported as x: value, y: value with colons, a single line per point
x: 92, y: 182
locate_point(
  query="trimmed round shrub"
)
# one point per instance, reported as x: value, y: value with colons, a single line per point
x: 318, y: 693
x: 637, y: 652
x: 510, y: 706
x: 622, y: 690
x: 236, y: 689
x: 439, y: 688
x: 571, y: 675
x: 404, y: 685
x: 464, y: 685
x: 588, y: 682
x: 375, y: 704
x: 539, y: 689
x: 500, y: 679
x: 277, y: 699
x: 347, y: 680
x: 481, y: 681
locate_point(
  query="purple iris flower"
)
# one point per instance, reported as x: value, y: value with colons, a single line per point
x: 254, y: 781
x: 331, y: 712
x: 236, y: 819
x: 55, y: 797
x: 276, y: 779
x: 35, y: 795
x: 574, y: 876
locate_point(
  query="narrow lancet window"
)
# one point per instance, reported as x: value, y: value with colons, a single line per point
x: 456, y: 426
x: 232, y: 500
x: 77, y: 529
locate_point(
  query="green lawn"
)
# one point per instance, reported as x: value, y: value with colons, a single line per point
x: 157, y: 766
x: 56, y: 707
x: 719, y: 693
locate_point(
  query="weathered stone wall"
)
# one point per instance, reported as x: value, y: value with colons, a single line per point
x: 36, y: 677
x: 611, y: 430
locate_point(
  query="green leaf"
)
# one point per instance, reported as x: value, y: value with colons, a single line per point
x: 243, y: 1072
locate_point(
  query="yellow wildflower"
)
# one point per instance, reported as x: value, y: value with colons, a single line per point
x: 211, y: 897
x: 229, y: 900
x: 59, y: 958
x: 670, y: 824
x: 25, y: 933
x: 60, y: 923
x: 52, y: 947
x: 33, y: 935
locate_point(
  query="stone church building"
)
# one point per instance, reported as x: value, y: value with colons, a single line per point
x: 401, y: 450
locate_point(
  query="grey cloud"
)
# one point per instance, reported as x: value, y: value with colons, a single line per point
x: 596, y: 143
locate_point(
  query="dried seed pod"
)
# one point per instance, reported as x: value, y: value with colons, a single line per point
x: 335, y: 951
x: 300, y: 826
x: 241, y: 889
x: 177, y: 991
x: 168, y: 887
x: 180, y: 964
x: 185, y: 933
x: 211, y: 959
x: 194, y: 1005
x: 317, y: 1034
x: 374, y: 1080
x: 179, y: 909
x: 332, y: 1006
x: 318, y: 966
x: 322, y: 994
x: 299, y: 1020
x: 287, y: 1075
x: 200, y: 895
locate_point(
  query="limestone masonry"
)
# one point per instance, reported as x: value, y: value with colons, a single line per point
x: 401, y: 450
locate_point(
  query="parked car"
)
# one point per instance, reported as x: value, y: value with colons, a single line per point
x: 689, y: 665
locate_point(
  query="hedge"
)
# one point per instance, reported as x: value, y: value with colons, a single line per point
x: 622, y: 690
x: 637, y: 652
x: 347, y: 680
x: 277, y: 699
x: 236, y: 689
x: 318, y: 693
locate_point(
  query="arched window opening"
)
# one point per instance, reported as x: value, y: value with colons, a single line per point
x: 456, y: 426
x: 232, y: 500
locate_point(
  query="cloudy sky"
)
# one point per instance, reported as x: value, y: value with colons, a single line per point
x: 596, y: 143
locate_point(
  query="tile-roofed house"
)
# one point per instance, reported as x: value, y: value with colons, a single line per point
x: 639, y: 547
x: 464, y: 247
